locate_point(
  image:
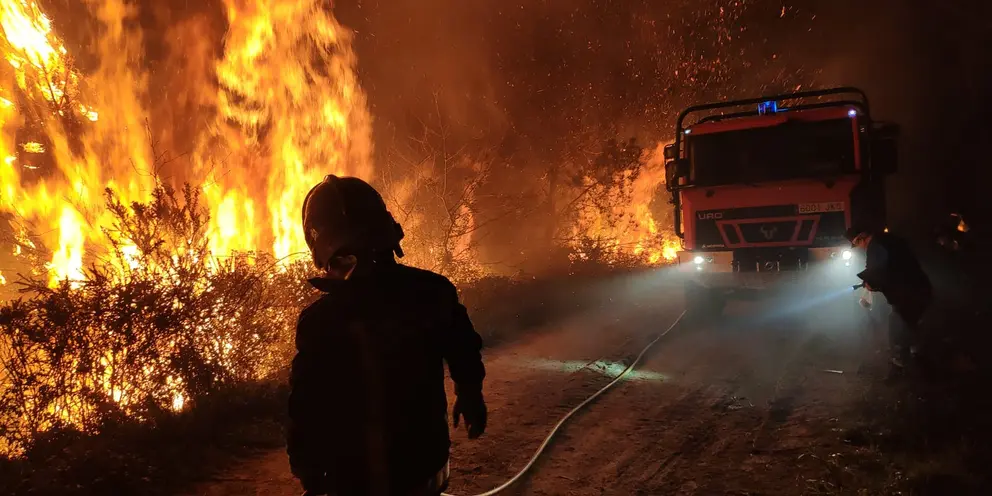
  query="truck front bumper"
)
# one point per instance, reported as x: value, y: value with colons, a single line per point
x: 831, y: 267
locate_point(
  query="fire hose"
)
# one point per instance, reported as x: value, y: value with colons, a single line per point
x: 558, y: 426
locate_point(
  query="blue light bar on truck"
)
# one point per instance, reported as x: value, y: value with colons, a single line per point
x: 767, y: 108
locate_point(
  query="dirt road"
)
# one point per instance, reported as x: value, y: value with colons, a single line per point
x: 748, y: 404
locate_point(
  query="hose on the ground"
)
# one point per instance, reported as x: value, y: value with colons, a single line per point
x: 554, y: 430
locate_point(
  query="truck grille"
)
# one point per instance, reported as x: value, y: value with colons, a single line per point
x: 768, y: 232
x: 767, y: 227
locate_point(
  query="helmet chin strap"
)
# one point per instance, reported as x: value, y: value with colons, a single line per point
x: 341, y: 268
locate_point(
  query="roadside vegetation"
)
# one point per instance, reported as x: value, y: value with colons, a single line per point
x: 163, y: 362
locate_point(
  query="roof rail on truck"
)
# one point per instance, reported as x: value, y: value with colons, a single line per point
x: 860, y: 101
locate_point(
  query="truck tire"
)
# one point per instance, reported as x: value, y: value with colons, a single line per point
x: 703, y: 303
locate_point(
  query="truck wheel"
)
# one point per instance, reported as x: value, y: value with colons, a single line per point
x: 703, y: 303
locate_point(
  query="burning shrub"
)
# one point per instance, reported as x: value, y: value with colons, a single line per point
x: 609, y: 217
x: 154, y: 326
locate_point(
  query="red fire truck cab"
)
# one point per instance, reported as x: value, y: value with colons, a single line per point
x: 765, y: 188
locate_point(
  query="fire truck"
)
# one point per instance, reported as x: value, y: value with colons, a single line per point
x: 765, y: 189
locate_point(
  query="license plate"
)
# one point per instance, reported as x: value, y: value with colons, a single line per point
x: 815, y: 208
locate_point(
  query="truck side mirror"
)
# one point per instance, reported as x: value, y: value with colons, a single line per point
x: 675, y: 170
x: 885, y: 149
x: 671, y: 174
x: 670, y: 151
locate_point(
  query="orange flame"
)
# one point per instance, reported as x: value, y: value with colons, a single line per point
x: 280, y: 109
x: 284, y: 122
x: 59, y: 201
x: 637, y: 234
x: 277, y: 122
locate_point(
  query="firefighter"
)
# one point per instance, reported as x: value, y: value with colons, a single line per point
x: 367, y: 407
x: 891, y: 268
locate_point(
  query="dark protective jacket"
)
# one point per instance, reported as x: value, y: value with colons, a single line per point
x: 892, y: 268
x: 367, y: 405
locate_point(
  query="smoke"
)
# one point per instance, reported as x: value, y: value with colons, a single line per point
x: 553, y: 70
x: 539, y: 86
x: 548, y: 83
x: 544, y: 79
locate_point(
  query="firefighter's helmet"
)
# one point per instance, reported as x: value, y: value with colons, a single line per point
x: 345, y: 216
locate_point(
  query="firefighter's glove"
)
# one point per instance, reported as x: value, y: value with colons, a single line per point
x: 314, y: 486
x: 470, y: 405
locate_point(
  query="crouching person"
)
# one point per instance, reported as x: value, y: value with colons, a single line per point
x: 368, y: 412
x: 892, y: 269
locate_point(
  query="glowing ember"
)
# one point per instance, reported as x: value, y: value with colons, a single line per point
x: 90, y: 114
x: 33, y: 147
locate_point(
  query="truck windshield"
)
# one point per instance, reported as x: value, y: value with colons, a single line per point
x: 791, y: 150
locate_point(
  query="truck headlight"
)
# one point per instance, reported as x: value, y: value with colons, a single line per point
x: 698, y: 260
x: 846, y: 254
